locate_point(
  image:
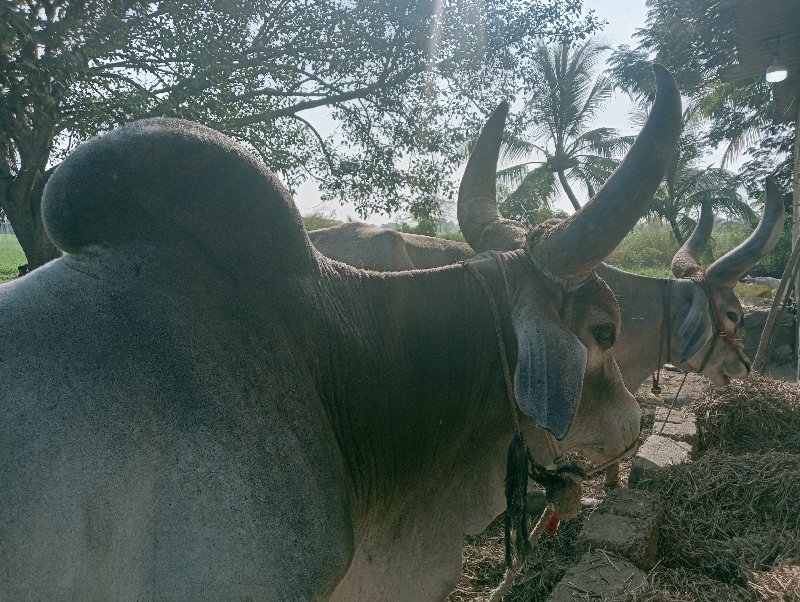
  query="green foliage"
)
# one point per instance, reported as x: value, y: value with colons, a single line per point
x: 775, y: 262
x: 695, y: 40
x: 401, y: 79
x: 528, y: 205
x: 688, y: 181
x: 425, y: 226
x: 317, y: 220
x: 647, y: 250
x: 456, y: 236
x: 11, y: 257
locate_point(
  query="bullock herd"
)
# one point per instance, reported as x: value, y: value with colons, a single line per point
x: 212, y: 409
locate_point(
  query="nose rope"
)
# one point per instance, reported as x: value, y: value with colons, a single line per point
x: 721, y: 334
x: 666, y: 336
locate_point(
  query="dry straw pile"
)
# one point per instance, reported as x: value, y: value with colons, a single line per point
x: 753, y: 415
x: 728, y: 521
x: 731, y: 529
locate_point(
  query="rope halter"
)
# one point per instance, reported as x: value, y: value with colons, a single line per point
x: 721, y: 333
x: 563, y: 485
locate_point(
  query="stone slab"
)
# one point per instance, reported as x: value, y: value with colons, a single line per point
x: 628, y: 502
x: 667, y: 398
x: 656, y: 453
x: 676, y: 416
x: 598, y: 576
x: 680, y: 425
x: 626, y: 523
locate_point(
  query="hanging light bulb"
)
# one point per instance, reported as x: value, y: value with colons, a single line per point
x: 776, y: 72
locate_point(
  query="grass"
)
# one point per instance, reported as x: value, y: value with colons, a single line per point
x: 11, y: 257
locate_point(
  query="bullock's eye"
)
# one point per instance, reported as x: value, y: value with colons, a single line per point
x: 605, y: 335
x: 733, y: 317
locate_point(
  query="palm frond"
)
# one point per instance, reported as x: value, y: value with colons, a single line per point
x: 513, y: 176
x: 748, y: 137
x: 602, y: 141
x: 514, y: 148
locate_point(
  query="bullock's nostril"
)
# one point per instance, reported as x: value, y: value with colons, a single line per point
x: 605, y: 335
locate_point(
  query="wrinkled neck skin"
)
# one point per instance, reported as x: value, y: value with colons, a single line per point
x: 407, y: 369
x: 641, y: 303
x: 639, y: 346
x: 404, y: 360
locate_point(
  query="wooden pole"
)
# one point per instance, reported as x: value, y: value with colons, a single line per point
x: 796, y: 228
x: 789, y: 275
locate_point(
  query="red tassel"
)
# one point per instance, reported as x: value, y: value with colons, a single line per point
x: 552, y: 524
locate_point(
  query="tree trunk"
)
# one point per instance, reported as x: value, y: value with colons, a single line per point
x: 21, y: 196
x: 676, y: 229
x: 570, y: 195
x: 22, y: 207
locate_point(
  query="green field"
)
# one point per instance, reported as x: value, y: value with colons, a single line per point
x: 11, y: 257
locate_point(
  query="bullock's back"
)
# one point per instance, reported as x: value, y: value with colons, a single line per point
x: 140, y: 457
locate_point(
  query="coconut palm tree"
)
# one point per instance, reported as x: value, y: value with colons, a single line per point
x: 564, y: 97
x: 688, y: 183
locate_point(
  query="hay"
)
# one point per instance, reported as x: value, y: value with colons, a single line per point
x: 484, y: 568
x: 727, y: 518
x: 680, y: 585
x: 754, y: 415
x: 780, y: 583
x: 731, y: 528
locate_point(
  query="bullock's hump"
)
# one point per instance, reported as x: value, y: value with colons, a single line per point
x: 170, y: 181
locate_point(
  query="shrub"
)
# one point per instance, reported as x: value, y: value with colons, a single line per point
x: 317, y: 220
x: 456, y: 236
x: 647, y: 250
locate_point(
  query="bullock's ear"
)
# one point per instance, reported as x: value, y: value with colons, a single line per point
x: 549, y: 374
x: 695, y: 329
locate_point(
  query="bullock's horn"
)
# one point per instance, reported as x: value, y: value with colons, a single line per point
x: 580, y: 243
x: 727, y: 270
x: 480, y: 221
x: 686, y: 262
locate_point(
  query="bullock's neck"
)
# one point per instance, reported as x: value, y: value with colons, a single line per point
x: 641, y: 300
x: 409, y: 372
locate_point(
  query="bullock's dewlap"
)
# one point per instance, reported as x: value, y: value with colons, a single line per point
x: 169, y: 181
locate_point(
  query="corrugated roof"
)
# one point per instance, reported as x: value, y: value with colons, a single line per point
x: 760, y: 25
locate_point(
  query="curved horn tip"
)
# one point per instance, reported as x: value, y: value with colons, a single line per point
x: 770, y: 187
x: 477, y: 193
x: 575, y: 249
x: 497, y: 119
x: 735, y: 263
x: 686, y: 262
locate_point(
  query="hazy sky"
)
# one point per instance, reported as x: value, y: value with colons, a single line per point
x: 623, y: 17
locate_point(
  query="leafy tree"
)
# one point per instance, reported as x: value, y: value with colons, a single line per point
x: 694, y: 38
x: 400, y: 79
x: 530, y: 202
x: 564, y: 95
